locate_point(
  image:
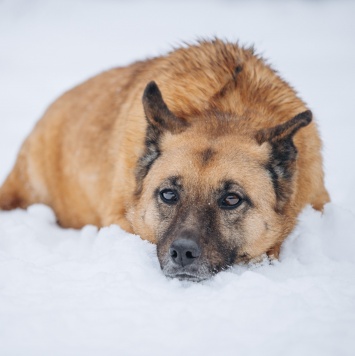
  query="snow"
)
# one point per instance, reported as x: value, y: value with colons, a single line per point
x: 101, y: 292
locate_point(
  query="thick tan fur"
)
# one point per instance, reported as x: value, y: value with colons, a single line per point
x: 81, y: 157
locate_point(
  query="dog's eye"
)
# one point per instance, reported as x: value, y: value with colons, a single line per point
x: 230, y: 201
x: 169, y: 196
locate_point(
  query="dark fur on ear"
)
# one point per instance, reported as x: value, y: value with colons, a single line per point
x: 160, y: 119
x: 158, y: 113
x: 285, y: 130
x: 282, y: 163
x: 151, y: 153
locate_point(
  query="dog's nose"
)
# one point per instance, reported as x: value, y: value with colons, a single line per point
x: 184, y: 252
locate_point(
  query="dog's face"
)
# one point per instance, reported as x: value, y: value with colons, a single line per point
x: 209, y: 196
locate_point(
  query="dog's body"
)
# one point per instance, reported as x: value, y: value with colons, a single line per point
x: 218, y: 162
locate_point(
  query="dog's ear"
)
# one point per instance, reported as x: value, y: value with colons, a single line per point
x: 284, y: 131
x: 158, y: 113
x: 160, y: 120
x: 282, y: 162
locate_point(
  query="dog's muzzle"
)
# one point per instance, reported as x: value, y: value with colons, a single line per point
x: 184, y: 261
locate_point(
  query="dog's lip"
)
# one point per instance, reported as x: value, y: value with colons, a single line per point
x: 183, y: 276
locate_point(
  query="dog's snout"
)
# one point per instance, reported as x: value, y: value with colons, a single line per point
x: 184, y: 252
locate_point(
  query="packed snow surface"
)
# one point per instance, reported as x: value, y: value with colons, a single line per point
x: 101, y: 292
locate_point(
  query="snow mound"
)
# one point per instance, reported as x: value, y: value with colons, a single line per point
x: 102, y: 292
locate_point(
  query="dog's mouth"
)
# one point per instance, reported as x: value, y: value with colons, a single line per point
x: 187, y: 277
x: 193, y: 273
x: 193, y: 269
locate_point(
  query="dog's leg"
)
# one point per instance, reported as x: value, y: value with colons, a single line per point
x: 320, y: 200
x: 11, y: 193
x: 17, y: 191
x: 274, y: 252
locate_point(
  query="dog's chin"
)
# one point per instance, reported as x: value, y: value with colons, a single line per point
x: 187, y: 277
x: 193, y: 273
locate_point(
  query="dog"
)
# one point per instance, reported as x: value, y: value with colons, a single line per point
x: 205, y: 152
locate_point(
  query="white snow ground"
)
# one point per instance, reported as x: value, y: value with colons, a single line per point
x: 90, y: 292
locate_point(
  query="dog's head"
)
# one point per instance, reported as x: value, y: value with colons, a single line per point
x: 210, y: 192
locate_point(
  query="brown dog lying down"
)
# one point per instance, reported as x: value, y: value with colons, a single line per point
x: 214, y: 166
